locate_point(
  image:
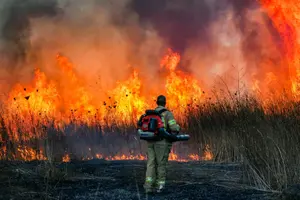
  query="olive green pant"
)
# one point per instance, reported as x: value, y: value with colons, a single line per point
x: 158, y: 154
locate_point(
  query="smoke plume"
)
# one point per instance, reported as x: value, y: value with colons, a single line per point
x: 224, y: 44
x: 105, y: 39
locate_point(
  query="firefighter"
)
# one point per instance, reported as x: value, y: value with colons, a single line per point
x: 158, y: 152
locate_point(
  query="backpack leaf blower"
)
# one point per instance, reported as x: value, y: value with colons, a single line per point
x: 152, y: 128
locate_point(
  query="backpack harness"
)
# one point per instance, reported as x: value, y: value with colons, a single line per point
x: 152, y: 121
x: 151, y: 127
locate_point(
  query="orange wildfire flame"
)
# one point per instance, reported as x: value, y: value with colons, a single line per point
x: 28, y: 154
x: 128, y: 103
x: 285, y: 15
x: 183, y: 90
x: 66, y: 158
x: 207, y: 155
x: 47, y: 101
x: 44, y: 100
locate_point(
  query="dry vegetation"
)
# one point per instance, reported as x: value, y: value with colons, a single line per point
x: 264, y: 140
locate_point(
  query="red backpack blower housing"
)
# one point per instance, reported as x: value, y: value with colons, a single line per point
x: 151, y: 128
x: 152, y: 121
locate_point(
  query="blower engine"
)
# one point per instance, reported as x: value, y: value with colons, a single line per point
x: 151, y: 128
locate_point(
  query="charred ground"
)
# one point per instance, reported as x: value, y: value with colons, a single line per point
x: 100, y: 179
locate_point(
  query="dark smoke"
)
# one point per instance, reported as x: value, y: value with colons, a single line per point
x: 103, y: 36
x: 178, y: 22
x: 181, y: 22
x: 141, y: 27
x: 15, y: 28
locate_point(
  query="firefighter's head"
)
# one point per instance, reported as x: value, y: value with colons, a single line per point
x: 161, y: 100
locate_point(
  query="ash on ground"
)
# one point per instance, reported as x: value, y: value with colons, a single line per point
x: 101, y: 179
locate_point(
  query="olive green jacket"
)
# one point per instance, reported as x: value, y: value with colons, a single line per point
x: 169, y: 120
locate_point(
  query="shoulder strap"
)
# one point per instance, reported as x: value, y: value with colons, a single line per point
x: 162, y: 110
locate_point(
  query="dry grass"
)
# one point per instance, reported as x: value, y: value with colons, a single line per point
x: 266, y: 143
x: 238, y: 130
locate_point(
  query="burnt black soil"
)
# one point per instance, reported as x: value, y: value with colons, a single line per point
x: 99, y: 179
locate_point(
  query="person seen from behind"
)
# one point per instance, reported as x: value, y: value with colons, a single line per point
x: 158, y: 151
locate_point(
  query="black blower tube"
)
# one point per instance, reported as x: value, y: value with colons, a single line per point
x: 172, y: 137
x: 149, y: 136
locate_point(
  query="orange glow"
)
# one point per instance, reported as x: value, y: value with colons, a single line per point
x: 285, y: 15
x: 66, y: 158
x: 61, y: 95
x: 126, y: 102
x: 183, y: 90
x: 64, y: 93
x: 57, y: 102
x: 2, y: 152
x: 67, y: 99
x: 172, y: 157
x: 50, y: 101
x: 208, y: 155
x: 194, y: 157
x: 28, y: 154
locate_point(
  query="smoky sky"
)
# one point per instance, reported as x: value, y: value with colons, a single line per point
x: 181, y: 21
x: 177, y: 21
x: 15, y: 27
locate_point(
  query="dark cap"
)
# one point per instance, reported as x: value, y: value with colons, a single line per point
x: 161, y: 100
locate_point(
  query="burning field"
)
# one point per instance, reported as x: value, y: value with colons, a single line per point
x: 75, y: 78
x: 31, y: 110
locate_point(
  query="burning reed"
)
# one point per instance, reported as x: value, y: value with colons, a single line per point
x: 58, y: 116
x: 264, y: 138
x: 38, y: 123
